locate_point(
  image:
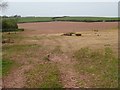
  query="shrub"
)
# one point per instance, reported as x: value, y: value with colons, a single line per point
x: 9, y: 25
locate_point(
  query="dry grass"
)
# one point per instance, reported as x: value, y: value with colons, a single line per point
x: 31, y: 49
x: 98, y: 68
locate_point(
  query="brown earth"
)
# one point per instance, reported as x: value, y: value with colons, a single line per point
x: 61, y: 27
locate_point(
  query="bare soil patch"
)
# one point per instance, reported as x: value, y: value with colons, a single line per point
x: 17, y: 78
x: 67, y: 70
x: 62, y: 27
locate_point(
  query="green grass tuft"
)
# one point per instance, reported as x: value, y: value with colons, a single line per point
x: 6, y: 66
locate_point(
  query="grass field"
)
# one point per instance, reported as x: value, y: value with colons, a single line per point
x: 87, y: 19
x: 36, y: 60
x: 34, y: 19
x: 75, y: 19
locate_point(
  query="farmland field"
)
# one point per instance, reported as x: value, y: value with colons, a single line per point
x: 62, y: 27
x: 41, y: 57
x: 34, y: 19
x: 65, y: 18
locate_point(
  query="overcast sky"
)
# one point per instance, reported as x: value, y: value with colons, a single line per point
x: 103, y: 8
x: 62, y: 0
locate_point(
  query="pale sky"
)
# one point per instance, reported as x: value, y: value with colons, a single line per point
x: 98, y: 8
x: 63, y: 0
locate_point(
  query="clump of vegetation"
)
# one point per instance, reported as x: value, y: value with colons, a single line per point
x: 9, y: 25
x: 6, y: 66
x: 99, y: 67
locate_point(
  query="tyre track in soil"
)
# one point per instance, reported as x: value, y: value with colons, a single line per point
x: 67, y: 72
x: 16, y: 79
x: 65, y: 65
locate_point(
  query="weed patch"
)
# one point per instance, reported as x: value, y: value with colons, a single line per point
x: 6, y: 66
x: 101, y: 67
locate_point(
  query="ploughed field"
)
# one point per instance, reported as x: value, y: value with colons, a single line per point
x: 61, y: 27
x: 41, y: 57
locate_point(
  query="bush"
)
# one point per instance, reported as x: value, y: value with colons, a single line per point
x: 9, y: 25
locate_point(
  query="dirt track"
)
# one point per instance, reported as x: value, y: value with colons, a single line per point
x: 61, y: 27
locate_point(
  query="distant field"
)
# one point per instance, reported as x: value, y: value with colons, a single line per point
x: 34, y: 19
x: 75, y: 19
x: 63, y: 27
x: 86, y: 19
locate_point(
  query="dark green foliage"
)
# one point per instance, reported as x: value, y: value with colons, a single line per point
x: 9, y: 25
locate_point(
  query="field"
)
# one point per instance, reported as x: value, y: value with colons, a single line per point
x: 34, y: 19
x: 65, y: 18
x: 40, y: 57
x: 62, y: 27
